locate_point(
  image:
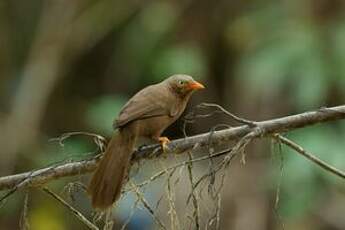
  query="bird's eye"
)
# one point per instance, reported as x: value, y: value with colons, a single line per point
x: 181, y: 82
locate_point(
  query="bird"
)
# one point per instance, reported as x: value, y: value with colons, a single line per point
x: 146, y: 115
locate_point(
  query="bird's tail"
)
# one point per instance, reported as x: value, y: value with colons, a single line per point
x: 106, y: 183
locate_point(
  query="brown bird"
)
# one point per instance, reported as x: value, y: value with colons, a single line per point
x: 146, y: 115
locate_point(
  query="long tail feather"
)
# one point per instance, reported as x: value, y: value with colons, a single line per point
x: 107, y: 181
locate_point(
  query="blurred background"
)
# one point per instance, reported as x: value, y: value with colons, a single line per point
x: 70, y: 66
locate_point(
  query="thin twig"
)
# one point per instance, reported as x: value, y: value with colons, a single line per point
x: 241, y: 145
x: 109, y: 223
x: 74, y: 211
x: 99, y: 140
x: 146, y: 205
x: 174, y: 221
x: 194, y: 198
x: 219, y: 204
x: 278, y: 190
x: 233, y: 116
x: 131, y: 214
x: 311, y: 157
x: 24, y: 220
x: 281, y: 169
x: 181, y: 164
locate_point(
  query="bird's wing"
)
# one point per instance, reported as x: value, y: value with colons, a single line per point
x: 152, y: 101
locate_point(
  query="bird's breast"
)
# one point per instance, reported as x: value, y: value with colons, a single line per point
x: 154, y: 126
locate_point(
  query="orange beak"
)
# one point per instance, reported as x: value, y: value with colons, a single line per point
x: 195, y: 85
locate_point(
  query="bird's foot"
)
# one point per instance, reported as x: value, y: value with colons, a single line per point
x: 163, y: 142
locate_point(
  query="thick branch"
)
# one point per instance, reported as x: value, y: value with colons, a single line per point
x: 280, y: 125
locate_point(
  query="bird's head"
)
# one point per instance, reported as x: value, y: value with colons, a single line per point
x: 183, y: 85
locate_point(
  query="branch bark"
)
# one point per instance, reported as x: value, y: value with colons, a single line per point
x: 201, y: 141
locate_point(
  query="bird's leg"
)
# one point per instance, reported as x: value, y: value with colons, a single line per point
x: 163, y: 142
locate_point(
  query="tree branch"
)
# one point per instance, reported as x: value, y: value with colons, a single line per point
x: 198, y: 142
x: 309, y: 156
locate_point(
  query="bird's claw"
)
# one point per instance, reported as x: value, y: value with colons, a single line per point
x: 164, y: 141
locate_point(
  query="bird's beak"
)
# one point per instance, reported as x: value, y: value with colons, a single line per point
x: 194, y: 85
